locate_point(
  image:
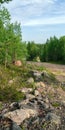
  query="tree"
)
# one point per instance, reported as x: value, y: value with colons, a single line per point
x: 16, y: 39
x: 2, y: 1
x: 53, y: 49
x: 11, y: 46
x: 4, y: 21
x: 5, y: 16
x: 32, y: 50
x: 62, y: 48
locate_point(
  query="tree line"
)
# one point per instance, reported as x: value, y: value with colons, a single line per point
x: 52, y: 51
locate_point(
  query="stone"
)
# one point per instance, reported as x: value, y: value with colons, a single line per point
x: 63, y: 103
x: 19, y: 116
x: 36, y: 93
x: 30, y: 80
x: 36, y: 75
x: 40, y: 84
x: 46, y: 105
x: 14, y: 106
x: 46, y: 100
x: 23, y: 102
x: 26, y: 90
x: 11, y: 81
x: 8, y: 124
x: 53, y: 118
x: 30, y: 96
x: 17, y: 63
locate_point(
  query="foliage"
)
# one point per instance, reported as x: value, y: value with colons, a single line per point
x: 12, y: 79
x: 11, y: 46
x: 32, y: 50
x: 2, y: 1
x: 52, y: 51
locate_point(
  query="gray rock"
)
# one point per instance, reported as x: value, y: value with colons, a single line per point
x: 36, y: 75
x: 8, y: 124
x: 46, y: 105
x: 14, y: 106
x: 53, y: 118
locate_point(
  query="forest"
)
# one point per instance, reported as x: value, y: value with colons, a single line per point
x: 51, y: 51
x: 12, y: 47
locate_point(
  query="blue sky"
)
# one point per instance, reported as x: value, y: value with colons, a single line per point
x: 39, y: 19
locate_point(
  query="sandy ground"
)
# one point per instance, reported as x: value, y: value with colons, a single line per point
x: 58, y: 70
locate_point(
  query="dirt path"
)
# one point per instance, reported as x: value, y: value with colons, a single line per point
x: 58, y: 70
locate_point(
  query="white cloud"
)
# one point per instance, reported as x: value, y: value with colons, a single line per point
x: 47, y: 21
x: 37, y: 12
x: 48, y: 13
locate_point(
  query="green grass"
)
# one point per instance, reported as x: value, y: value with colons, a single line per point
x: 8, y: 91
x: 18, y: 76
x: 9, y: 94
x: 55, y: 104
x: 35, y: 67
x: 1, y: 105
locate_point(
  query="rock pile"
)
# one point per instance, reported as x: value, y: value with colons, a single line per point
x: 42, y: 109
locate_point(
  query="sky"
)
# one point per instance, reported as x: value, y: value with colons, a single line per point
x: 40, y: 19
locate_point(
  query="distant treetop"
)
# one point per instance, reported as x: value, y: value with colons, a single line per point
x: 2, y: 1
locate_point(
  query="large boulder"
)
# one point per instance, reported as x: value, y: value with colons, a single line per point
x: 17, y: 63
x: 20, y: 115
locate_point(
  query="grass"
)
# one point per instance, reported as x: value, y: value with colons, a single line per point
x: 9, y: 94
x: 14, y: 78
x: 55, y: 104
x: 8, y: 91
x: 50, y: 95
x: 63, y: 87
x: 33, y: 66
x: 1, y: 105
